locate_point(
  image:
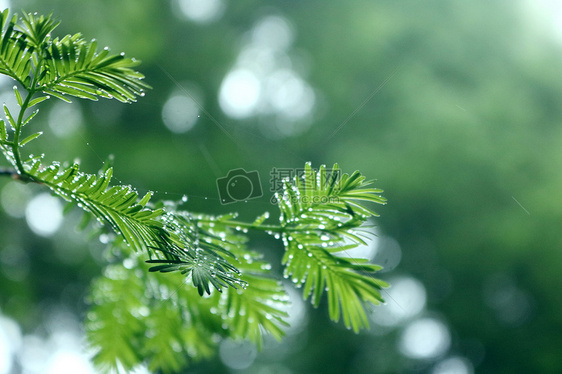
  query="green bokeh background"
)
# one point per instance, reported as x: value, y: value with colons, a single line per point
x: 453, y: 107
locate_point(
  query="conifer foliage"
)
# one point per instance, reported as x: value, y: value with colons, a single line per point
x: 138, y: 313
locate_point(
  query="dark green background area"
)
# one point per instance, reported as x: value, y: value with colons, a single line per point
x: 453, y: 107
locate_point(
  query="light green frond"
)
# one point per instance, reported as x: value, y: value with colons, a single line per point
x: 66, y: 67
x: 16, y: 51
x: 118, y: 206
x: 140, y: 317
x: 3, y: 131
x: 258, y: 309
x: 322, y: 213
x: 253, y: 304
x: 348, y: 282
x: 38, y: 28
x: 74, y: 67
x: 199, y: 254
x: 173, y: 326
x: 112, y: 322
x: 5, y: 143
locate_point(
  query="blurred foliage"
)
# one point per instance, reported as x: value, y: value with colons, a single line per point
x: 464, y: 136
